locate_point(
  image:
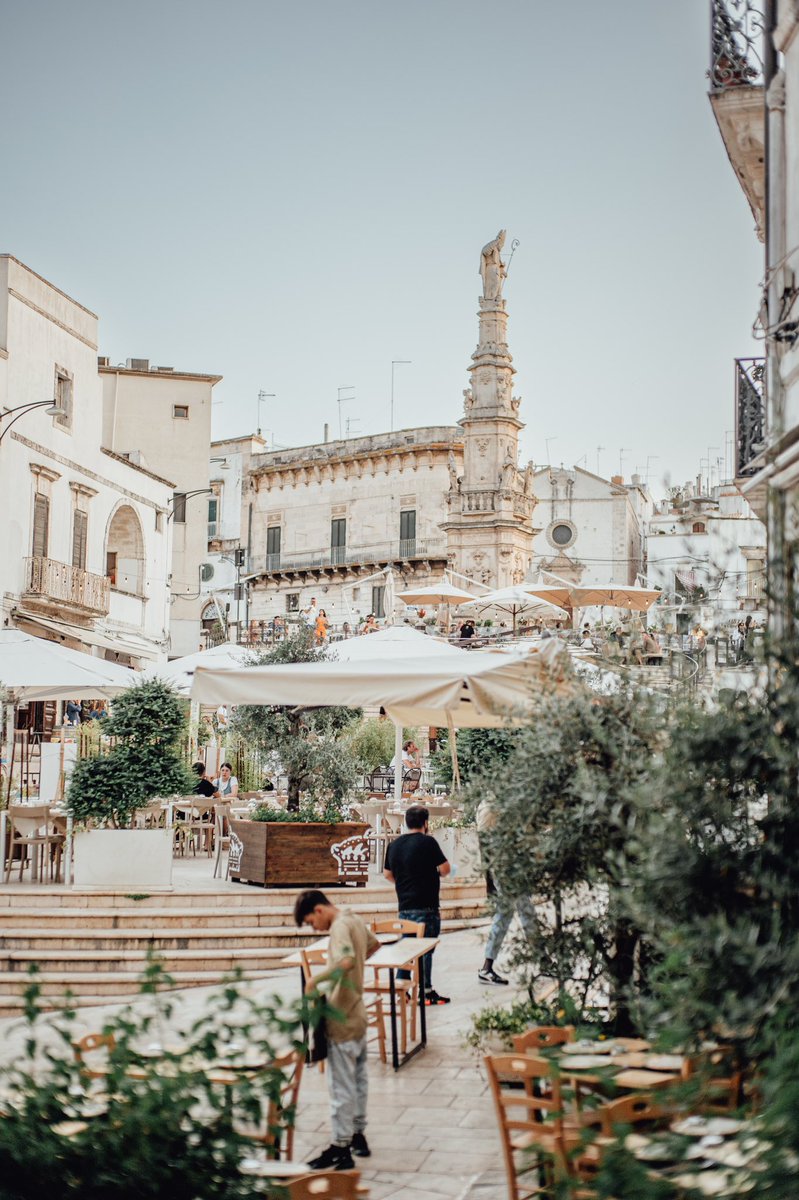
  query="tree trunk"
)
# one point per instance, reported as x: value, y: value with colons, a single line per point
x: 622, y: 970
x: 293, y: 803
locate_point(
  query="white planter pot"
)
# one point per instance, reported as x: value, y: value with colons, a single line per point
x: 124, y: 860
x: 462, y: 850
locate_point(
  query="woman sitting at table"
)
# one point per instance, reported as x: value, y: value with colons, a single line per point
x: 204, y: 786
x: 227, y: 784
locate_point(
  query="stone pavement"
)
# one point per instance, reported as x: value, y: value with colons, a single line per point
x: 431, y: 1125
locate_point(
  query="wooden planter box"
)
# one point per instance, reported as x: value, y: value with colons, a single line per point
x: 280, y: 853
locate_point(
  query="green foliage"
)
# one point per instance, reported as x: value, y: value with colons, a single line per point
x: 566, y: 799
x: 147, y: 724
x: 498, y: 1021
x: 304, y: 741
x: 152, y: 1127
x: 372, y: 742
x: 331, y: 812
x: 478, y: 751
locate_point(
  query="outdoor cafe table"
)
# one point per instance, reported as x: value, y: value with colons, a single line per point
x: 391, y: 956
x: 620, y: 1064
x: 711, y: 1155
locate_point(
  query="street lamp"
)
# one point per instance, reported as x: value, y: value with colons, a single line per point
x: 53, y: 410
x: 184, y: 496
x: 396, y: 362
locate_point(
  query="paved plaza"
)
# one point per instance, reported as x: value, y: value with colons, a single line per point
x: 431, y: 1125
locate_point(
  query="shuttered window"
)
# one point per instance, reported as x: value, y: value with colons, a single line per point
x: 41, y: 521
x: 80, y: 522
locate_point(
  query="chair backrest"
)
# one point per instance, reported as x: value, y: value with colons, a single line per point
x: 399, y: 925
x: 720, y: 1083
x: 330, y: 1185
x: 631, y: 1110
x: 410, y: 779
x: 512, y: 1078
x: 310, y: 959
x: 222, y: 819
x: 28, y: 820
x: 283, y: 1112
x: 543, y: 1036
x: 394, y: 822
x: 93, y: 1041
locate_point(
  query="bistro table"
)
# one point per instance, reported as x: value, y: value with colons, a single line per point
x: 712, y: 1155
x: 620, y: 1064
x: 394, y: 956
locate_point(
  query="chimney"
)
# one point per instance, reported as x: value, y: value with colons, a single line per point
x: 618, y: 480
x: 326, y: 438
x: 635, y: 480
x: 699, y: 484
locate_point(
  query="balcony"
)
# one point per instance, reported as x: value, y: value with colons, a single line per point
x: 737, y: 94
x: 334, y: 558
x: 750, y: 414
x: 66, y: 586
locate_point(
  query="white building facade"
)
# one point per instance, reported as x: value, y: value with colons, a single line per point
x: 85, y: 542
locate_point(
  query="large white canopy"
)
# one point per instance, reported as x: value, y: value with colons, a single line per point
x: 180, y: 671
x: 615, y: 595
x: 397, y: 641
x: 439, y: 593
x: 32, y: 668
x: 477, y: 690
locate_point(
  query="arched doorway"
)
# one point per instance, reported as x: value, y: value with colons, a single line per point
x: 124, y: 551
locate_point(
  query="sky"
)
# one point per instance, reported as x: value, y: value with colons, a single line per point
x: 293, y: 194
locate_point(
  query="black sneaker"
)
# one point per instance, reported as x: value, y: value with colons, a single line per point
x: 360, y: 1146
x: 337, y: 1158
x: 432, y: 997
x: 490, y: 977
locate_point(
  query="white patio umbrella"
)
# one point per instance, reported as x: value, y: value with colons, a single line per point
x: 616, y: 595
x: 515, y: 600
x: 32, y: 668
x: 395, y: 642
x: 439, y: 593
x: 477, y: 691
x: 559, y: 594
x: 180, y: 671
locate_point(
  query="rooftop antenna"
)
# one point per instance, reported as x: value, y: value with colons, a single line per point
x: 624, y: 450
x: 261, y: 397
x: 396, y: 362
x: 649, y: 458
x: 599, y: 450
x: 347, y: 387
x: 554, y: 438
x: 350, y: 422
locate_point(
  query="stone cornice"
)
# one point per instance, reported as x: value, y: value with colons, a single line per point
x: 316, y: 470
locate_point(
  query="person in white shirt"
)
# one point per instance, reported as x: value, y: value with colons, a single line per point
x: 227, y: 784
x: 310, y: 613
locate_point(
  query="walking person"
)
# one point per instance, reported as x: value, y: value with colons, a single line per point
x: 351, y: 943
x: 486, y: 820
x: 416, y: 864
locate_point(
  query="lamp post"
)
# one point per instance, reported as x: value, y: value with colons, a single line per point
x: 396, y: 362
x: 187, y: 496
x: 52, y: 409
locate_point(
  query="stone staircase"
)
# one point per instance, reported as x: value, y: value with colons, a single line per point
x: 95, y: 945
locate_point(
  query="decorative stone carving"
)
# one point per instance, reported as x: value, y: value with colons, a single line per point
x: 468, y: 399
x: 482, y: 446
x: 454, y: 478
x: 492, y: 268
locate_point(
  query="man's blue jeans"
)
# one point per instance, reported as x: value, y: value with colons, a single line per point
x: 431, y: 917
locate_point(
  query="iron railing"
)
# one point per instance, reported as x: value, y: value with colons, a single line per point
x: 67, y: 585
x: 750, y: 413
x: 344, y: 556
x: 736, y: 44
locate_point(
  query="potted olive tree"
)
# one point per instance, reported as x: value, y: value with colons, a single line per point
x: 105, y: 792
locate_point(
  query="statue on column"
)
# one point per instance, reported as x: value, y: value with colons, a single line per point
x: 492, y: 268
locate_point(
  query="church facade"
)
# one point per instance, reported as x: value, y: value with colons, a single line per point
x: 351, y: 522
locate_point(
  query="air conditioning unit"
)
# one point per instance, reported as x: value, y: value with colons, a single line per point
x: 137, y: 364
x: 207, y: 572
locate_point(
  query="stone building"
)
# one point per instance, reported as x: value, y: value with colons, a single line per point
x: 160, y: 418
x: 351, y: 521
x: 85, y: 538
x: 592, y: 529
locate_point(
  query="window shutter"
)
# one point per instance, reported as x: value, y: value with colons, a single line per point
x: 79, y: 530
x: 41, y: 520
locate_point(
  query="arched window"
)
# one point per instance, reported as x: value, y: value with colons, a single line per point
x: 698, y: 527
x: 124, y: 551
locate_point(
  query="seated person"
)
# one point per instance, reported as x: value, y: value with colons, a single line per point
x: 204, y: 786
x: 652, y: 647
x: 410, y: 757
x: 587, y: 642
x: 467, y: 629
x: 227, y: 784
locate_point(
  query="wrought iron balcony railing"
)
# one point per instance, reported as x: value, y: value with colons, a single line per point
x: 736, y: 44
x: 345, y: 556
x: 66, y: 585
x: 750, y: 413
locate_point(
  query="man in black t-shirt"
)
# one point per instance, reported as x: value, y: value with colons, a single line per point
x: 415, y: 864
x: 203, y: 787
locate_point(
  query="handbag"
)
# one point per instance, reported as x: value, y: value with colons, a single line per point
x: 318, y: 1051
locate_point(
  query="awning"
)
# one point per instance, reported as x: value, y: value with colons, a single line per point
x: 120, y: 643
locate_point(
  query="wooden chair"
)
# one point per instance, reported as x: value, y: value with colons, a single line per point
x: 374, y: 1009
x: 718, y: 1093
x: 88, y: 1043
x: 32, y: 832
x: 407, y: 990
x: 152, y: 816
x: 278, y: 1137
x: 542, y: 1037
x: 196, y: 821
x: 372, y: 813
x: 221, y: 835
x: 535, y: 1138
x: 327, y: 1185
x: 636, y: 1109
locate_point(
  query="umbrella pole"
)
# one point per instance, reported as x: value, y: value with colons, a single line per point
x: 12, y: 755
x: 398, y: 761
x: 453, y: 750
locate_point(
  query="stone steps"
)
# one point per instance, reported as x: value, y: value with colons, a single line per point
x: 96, y: 945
